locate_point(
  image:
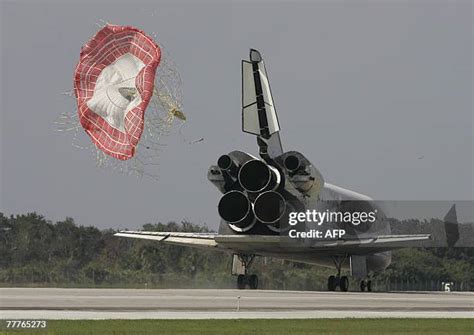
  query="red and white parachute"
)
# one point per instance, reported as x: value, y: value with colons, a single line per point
x: 113, y: 84
x: 128, y: 96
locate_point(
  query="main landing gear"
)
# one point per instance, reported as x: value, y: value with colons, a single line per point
x: 366, y: 285
x: 335, y: 281
x: 251, y: 281
x: 244, y: 280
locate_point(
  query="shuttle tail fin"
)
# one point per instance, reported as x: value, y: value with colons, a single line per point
x: 258, y: 111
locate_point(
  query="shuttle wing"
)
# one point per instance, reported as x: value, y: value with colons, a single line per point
x: 197, y: 240
x: 276, y: 244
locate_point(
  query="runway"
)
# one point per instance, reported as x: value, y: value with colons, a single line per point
x: 58, y: 303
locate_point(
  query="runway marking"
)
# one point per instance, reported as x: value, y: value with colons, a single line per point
x: 54, y: 303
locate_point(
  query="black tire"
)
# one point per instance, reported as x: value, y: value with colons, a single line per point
x: 332, y: 283
x: 241, y: 282
x: 363, y: 286
x: 344, y: 284
x: 369, y: 286
x: 253, y: 282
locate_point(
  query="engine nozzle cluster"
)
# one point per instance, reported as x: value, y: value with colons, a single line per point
x: 260, y: 191
x: 252, y: 196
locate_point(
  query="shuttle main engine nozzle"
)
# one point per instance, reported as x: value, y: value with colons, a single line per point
x: 256, y: 176
x: 269, y: 207
x: 236, y: 209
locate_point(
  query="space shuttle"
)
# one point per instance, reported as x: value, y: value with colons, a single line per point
x: 261, y: 193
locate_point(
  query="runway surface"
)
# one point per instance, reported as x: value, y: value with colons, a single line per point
x: 57, y: 303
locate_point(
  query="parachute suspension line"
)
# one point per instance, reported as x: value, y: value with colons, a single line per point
x: 168, y: 95
x: 168, y: 100
x: 185, y: 140
x: 101, y: 24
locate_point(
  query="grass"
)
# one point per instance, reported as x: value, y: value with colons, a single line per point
x: 260, y: 326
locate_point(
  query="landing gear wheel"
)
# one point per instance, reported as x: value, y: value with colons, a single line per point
x: 369, y: 286
x: 240, y: 282
x: 363, y: 286
x: 344, y: 284
x: 332, y: 283
x: 253, y: 282
x: 335, y: 281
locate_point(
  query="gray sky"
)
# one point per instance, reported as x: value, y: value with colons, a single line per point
x: 363, y: 89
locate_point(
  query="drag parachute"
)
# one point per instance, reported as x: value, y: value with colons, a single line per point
x: 128, y: 96
x: 113, y: 85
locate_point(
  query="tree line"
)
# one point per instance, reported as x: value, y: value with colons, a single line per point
x: 37, y: 252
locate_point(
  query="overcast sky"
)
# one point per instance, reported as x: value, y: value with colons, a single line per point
x: 377, y: 94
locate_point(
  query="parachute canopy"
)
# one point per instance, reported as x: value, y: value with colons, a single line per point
x: 113, y: 85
